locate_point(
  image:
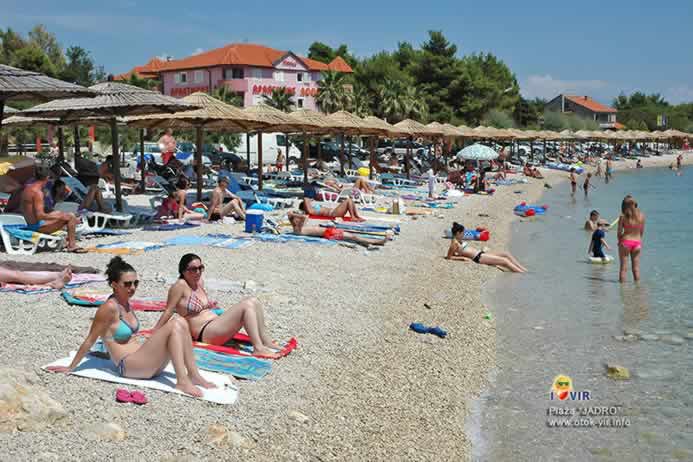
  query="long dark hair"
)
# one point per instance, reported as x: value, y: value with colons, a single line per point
x: 115, y: 269
x: 184, y: 262
x: 457, y: 228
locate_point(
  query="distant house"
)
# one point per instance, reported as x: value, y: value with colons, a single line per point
x: 147, y: 71
x: 585, y: 107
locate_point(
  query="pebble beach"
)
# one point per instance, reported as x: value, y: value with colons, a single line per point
x: 360, y: 386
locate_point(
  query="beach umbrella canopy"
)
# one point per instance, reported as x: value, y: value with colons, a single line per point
x: 385, y: 128
x: 274, y: 119
x: 8, y: 111
x: 348, y: 123
x: 477, y: 152
x: 414, y: 128
x: 310, y: 121
x: 112, y: 100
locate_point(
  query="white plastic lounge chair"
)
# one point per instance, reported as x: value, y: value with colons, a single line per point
x: 331, y: 197
x: 18, y: 246
x: 94, y: 221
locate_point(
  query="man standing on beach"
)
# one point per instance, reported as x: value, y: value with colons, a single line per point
x: 167, y: 144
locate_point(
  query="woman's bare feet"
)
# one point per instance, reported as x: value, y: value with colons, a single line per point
x: 271, y: 344
x: 189, y: 389
x: 265, y: 352
x: 198, y: 380
x: 61, y: 279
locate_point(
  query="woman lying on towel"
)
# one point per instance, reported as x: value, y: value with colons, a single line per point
x: 117, y: 324
x: 360, y: 183
x: 460, y: 250
x: 54, y: 279
x: 341, y: 210
x: 298, y: 221
x: 188, y: 298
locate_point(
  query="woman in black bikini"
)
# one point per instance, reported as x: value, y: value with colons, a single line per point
x: 188, y: 298
x: 460, y: 251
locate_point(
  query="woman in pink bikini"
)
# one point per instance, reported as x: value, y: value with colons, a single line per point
x: 631, y: 230
x: 189, y: 299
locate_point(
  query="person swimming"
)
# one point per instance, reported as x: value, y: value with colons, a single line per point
x: 631, y: 230
x: 459, y: 250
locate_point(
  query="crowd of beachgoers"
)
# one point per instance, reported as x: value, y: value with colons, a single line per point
x: 312, y: 321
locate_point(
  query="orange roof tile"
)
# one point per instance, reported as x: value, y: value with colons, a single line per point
x: 589, y: 103
x: 338, y: 64
x: 149, y: 70
x: 619, y: 126
x: 246, y: 54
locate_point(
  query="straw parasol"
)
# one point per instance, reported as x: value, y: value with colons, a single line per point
x: 112, y: 100
x: 8, y: 111
x: 347, y: 123
x: 413, y: 128
x: 212, y: 114
x: 446, y: 130
x: 309, y: 121
x: 385, y: 129
x: 17, y: 84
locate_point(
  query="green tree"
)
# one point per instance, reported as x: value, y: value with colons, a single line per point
x: 391, y: 107
x: 373, y: 71
x: 405, y: 55
x: 321, y: 52
x: 332, y: 94
x: 10, y: 43
x: 32, y: 58
x: 498, y: 119
x: 147, y: 84
x: 279, y: 99
x: 414, y: 104
x: 79, y: 67
x: 47, y: 42
x: 222, y: 93
x: 358, y: 101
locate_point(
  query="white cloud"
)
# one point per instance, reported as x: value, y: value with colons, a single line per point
x: 198, y: 51
x: 165, y: 56
x: 545, y: 86
x: 679, y: 94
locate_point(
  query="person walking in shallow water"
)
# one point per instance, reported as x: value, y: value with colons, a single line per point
x: 631, y: 230
x: 573, y: 182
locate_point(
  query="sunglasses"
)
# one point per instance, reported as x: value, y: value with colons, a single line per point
x: 563, y: 384
x: 128, y: 284
x: 195, y: 269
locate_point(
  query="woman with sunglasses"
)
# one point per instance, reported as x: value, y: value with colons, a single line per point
x: 117, y: 325
x: 188, y: 298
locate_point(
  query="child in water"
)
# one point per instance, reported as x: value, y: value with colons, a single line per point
x: 598, y: 242
x: 573, y: 182
x: 586, y: 185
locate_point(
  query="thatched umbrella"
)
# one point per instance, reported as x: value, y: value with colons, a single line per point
x: 8, y: 111
x: 275, y: 120
x: 380, y: 128
x: 212, y: 114
x: 309, y: 121
x: 413, y: 128
x: 112, y: 100
x: 346, y: 123
x: 18, y: 84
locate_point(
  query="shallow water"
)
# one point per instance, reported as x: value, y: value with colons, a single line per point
x: 563, y: 318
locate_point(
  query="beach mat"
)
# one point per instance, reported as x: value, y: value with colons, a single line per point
x: 240, y: 345
x: 170, y: 226
x: 126, y: 247
x: 96, y: 298
x: 43, y: 266
x: 77, y: 280
x: 107, y: 232
x: 284, y: 238
x: 93, y: 367
x: 242, y: 367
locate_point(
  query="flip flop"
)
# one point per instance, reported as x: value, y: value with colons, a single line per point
x: 438, y: 331
x: 138, y: 397
x: 123, y: 396
x: 418, y: 328
x: 76, y: 250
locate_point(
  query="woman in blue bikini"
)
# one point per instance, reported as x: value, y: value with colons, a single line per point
x: 117, y: 324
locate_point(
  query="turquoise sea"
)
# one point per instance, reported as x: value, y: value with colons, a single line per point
x: 568, y: 317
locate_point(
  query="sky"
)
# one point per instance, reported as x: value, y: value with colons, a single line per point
x: 587, y: 47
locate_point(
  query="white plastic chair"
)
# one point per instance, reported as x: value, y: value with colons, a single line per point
x: 17, y: 246
x: 330, y: 196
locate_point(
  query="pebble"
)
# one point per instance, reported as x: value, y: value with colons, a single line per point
x: 106, y: 432
x: 250, y: 285
x: 689, y: 336
x: 25, y: 405
x: 298, y: 417
x: 649, y: 337
x: 616, y: 372
x: 636, y: 332
x: 673, y: 339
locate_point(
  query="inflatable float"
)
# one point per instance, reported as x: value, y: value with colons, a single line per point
x: 525, y: 210
x: 565, y: 167
x: 478, y: 234
x: 600, y: 261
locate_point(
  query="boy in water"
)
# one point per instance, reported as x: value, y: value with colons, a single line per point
x: 573, y: 182
x: 598, y: 242
x: 593, y: 223
x: 586, y: 185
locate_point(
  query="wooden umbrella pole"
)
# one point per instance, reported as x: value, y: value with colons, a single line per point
x: 305, y: 159
x: 61, y: 144
x: 247, y: 152
x: 259, y: 161
x: 370, y: 166
x: 341, y: 157
x: 2, y: 114
x: 198, y: 159
x: 116, y: 164
x: 78, y: 143
x: 407, y: 155
x: 351, y: 157
x: 143, y: 163
x: 319, y: 150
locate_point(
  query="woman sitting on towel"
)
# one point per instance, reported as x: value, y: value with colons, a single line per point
x: 341, y: 210
x: 188, y: 298
x: 53, y: 279
x: 460, y: 250
x: 183, y: 212
x: 117, y: 325
x: 298, y: 221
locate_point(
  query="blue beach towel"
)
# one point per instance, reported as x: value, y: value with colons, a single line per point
x: 170, y: 226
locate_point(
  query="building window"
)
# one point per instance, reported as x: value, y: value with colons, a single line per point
x: 299, y: 103
x: 257, y: 73
x: 279, y: 76
x: 180, y: 77
x: 199, y: 76
x: 299, y: 77
x: 306, y: 77
x: 237, y: 73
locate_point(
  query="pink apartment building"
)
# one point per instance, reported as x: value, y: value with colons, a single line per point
x: 247, y: 69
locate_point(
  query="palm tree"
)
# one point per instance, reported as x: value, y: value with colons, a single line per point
x: 358, y: 102
x: 331, y: 95
x: 223, y: 93
x: 279, y: 99
x: 414, y: 104
x: 390, y: 107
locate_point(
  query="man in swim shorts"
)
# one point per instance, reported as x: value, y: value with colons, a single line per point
x: 298, y: 223
x: 217, y: 209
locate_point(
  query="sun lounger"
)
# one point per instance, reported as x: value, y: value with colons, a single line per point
x: 17, y: 240
x: 103, y: 369
x: 93, y: 222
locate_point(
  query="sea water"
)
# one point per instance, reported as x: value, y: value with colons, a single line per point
x: 568, y: 317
